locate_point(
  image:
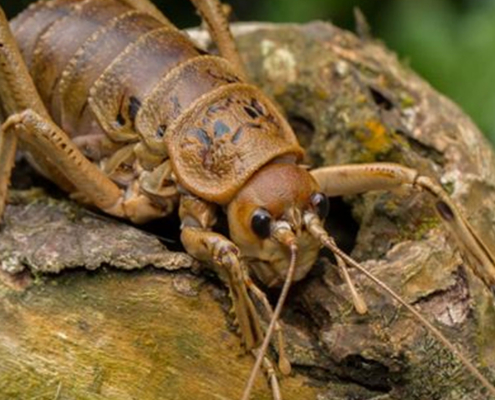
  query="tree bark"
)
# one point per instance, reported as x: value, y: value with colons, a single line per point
x: 163, y: 330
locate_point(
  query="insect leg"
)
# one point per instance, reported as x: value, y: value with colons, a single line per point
x: 316, y: 228
x: 17, y: 93
x: 8, y: 145
x: 197, y: 218
x: 51, y: 141
x: 284, y: 364
x: 353, y: 179
x: 212, y: 13
x: 358, y: 301
x: 53, y: 153
x: 89, y: 182
x: 285, y: 236
x: 271, y: 375
x: 148, y: 7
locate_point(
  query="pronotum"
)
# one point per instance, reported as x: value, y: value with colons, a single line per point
x: 127, y: 113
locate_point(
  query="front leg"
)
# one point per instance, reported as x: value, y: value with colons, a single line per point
x: 197, y: 219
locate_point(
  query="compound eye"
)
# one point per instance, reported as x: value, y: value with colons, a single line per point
x: 321, y: 204
x: 260, y: 223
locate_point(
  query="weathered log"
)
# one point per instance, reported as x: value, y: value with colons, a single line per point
x: 164, y: 333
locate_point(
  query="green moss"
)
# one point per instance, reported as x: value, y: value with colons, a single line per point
x: 406, y: 101
x: 419, y: 231
x: 449, y: 187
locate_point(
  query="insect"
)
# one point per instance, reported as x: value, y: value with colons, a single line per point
x: 156, y: 125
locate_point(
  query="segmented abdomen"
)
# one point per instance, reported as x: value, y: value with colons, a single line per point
x: 141, y: 100
x: 95, y: 62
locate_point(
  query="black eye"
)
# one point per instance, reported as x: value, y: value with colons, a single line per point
x: 260, y: 223
x: 321, y: 204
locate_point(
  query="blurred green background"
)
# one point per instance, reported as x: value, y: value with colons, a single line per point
x: 449, y: 42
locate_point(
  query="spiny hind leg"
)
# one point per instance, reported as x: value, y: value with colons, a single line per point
x: 353, y: 179
x: 213, y: 14
x: 8, y: 145
x: 53, y: 152
x: 87, y: 179
x: 17, y: 93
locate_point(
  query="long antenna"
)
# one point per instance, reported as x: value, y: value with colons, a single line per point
x: 330, y: 244
x: 269, y: 332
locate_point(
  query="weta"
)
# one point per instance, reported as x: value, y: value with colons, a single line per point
x: 121, y: 110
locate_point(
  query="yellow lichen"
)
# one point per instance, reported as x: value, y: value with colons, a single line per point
x: 375, y: 137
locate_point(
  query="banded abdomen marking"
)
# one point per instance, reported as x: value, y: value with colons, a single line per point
x: 95, y: 62
x: 58, y: 43
x: 32, y: 22
x: 90, y: 61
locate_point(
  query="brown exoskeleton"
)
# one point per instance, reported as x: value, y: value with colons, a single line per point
x: 157, y: 125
